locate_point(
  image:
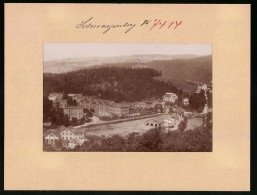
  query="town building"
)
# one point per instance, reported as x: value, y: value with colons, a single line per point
x: 55, y: 96
x: 102, y: 109
x: 63, y: 103
x: 76, y: 96
x: 169, y: 123
x: 51, y: 137
x: 73, y: 135
x: 119, y: 109
x: 153, y: 123
x: 74, y: 112
x: 170, y: 97
x: 185, y: 101
x: 70, y: 137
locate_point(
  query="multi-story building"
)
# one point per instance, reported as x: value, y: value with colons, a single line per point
x: 119, y: 109
x: 63, y: 103
x: 74, y: 112
x: 102, y: 109
x: 170, y: 97
x: 72, y: 134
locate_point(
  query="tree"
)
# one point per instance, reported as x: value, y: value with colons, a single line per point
x: 88, y: 112
x: 197, y: 101
x: 209, y: 96
x: 66, y: 120
x: 71, y: 102
x: 182, y: 126
x: 73, y: 121
x: 47, y: 104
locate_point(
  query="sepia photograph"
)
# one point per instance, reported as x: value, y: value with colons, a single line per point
x: 127, y: 97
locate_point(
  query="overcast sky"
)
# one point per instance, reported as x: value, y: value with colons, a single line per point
x: 54, y: 51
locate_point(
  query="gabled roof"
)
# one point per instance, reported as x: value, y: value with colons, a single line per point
x: 55, y: 132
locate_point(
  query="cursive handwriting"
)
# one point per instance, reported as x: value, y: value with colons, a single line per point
x: 88, y: 24
x: 153, y: 24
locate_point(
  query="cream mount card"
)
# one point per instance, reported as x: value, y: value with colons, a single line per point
x: 45, y: 41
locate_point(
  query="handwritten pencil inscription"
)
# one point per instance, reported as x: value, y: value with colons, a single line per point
x: 127, y: 27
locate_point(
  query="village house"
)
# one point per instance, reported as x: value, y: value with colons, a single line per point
x: 76, y: 96
x: 142, y: 105
x: 170, y: 97
x: 51, y: 137
x: 69, y: 137
x: 55, y: 96
x: 87, y: 104
x: 119, y: 109
x: 169, y: 123
x: 153, y: 123
x: 204, y: 87
x: 185, y: 101
x: 63, y: 103
x: 74, y: 112
x: 102, y: 109
x: 72, y: 134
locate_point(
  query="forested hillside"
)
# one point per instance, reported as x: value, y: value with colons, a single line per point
x: 197, y: 68
x: 112, y: 83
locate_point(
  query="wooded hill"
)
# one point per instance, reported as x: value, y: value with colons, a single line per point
x: 111, y: 83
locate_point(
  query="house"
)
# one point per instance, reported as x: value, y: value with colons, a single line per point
x: 72, y: 134
x: 153, y: 123
x: 55, y: 96
x: 185, y: 101
x: 170, y: 97
x: 76, y: 96
x: 169, y: 123
x: 63, y: 103
x: 51, y: 136
x: 74, y: 112
x: 203, y: 87
x: 142, y: 105
x: 102, y: 109
x: 119, y: 109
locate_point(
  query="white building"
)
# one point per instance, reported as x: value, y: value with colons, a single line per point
x: 185, y: 101
x: 170, y: 97
x: 73, y: 135
x: 55, y: 96
x: 74, y: 112
x: 51, y: 137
